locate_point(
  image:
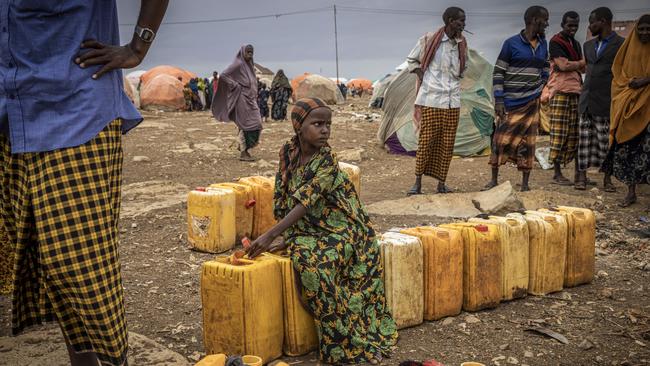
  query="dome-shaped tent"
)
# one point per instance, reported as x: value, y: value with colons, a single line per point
x: 162, y: 92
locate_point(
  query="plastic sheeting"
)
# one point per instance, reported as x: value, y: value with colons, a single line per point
x: 476, y: 112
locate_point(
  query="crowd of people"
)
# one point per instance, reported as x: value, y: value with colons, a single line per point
x: 599, y: 122
x: 65, y: 247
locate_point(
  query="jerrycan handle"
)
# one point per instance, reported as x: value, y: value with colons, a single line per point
x: 481, y: 228
x: 554, y: 209
x: 250, y: 203
x: 200, y: 189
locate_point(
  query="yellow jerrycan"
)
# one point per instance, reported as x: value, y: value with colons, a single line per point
x: 547, y: 238
x: 481, y: 265
x: 242, y: 307
x: 244, y: 207
x: 402, y: 259
x: 442, y: 270
x: 513, y: 235
x: 581, y: 245
x: 263, y: 218
x: 211, y: 220
x: 300, y: 336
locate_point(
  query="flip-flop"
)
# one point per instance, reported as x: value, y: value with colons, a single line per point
x: 412, y: 192
x: 610, y: 188
x: 445, y: 190
x: 488, y: 187
x: 249, y: 159
x: 580, y: 186
x: 562, y: 182
x: 627, y: 202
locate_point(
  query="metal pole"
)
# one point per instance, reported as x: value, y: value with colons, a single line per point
x: 336, y: 46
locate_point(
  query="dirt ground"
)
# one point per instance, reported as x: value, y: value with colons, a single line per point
x: 606, y: 322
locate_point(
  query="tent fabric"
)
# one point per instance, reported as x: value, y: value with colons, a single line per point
x: 365, y: 84
x: 134, y: 77
x: 164, y: 92
x: 316, y: 86
x: 167, y: 70
x: 341, y: 80
x: 379, y: 91
x: 397, y: 131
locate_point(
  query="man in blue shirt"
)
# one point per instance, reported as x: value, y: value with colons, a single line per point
x: 520, y: 73
x: 62, y: 113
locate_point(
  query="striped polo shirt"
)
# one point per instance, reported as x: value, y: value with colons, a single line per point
x: 521, y: 71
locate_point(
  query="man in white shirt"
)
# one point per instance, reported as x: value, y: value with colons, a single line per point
x: 438, y: 59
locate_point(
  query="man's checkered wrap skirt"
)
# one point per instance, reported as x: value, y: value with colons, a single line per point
x: 436, y: 142
x: 60, y: 210
x: 563, y: 127
x: 514, y: 139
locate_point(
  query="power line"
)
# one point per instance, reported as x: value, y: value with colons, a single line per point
x: 223, y: 20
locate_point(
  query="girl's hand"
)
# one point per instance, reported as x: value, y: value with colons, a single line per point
x: 278, y: 245
x: 260, y: 245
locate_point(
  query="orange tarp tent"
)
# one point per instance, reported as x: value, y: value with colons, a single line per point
x: 167, y: 70
x: 162, y: 92
x: 361, y: 83
x: 296, y: 81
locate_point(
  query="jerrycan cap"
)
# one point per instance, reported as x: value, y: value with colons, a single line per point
x: 200, y: 189
x: 481, y: 228
x: 245, y: 242
x: 250, y: 203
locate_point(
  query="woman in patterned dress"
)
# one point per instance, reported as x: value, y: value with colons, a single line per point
x: 280, y: 92
x: 331, y: 242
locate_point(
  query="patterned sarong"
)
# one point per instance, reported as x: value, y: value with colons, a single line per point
x: 436, y: 142
x: 514, y: 139
x: 563, y: 127
x: 61, y: 209
x: 6, y: 261
x: 594, y: 141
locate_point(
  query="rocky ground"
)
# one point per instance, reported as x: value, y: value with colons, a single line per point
x: 604, y: 323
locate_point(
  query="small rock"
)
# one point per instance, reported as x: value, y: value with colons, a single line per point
x: 599, y: 359
x: 498, y: 358
x: 586, y: 345
x: 595, y: 190
x: 263, y: 164
x: 529, y: 354
x: 607, y: 292
x: 472, y: 319
x: 513, y: 361
x: 640, y: 343
x: 134, y: 225
x: 351, y: 155
x: 141, y: 158
x: 194, y: 356
x: 447, y: 321
x: 504, y: 347
x: 602, y: 274
x: 565, y: 295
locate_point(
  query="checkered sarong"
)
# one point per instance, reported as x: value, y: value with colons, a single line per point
x: 61, y: 209
x: 514, y: 139
x: 436, y: 142
x: 6, y: 261
x: 594, y: 141
x: 563, y: 127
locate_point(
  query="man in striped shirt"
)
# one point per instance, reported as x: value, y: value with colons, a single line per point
x: 520, y: 73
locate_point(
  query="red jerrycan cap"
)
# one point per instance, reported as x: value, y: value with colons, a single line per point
x: 200, y: 189
x: 250, y: 203
x: 481, y: 228
x: 245, y: 242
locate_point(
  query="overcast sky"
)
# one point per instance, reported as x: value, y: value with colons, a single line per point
x: 370, y: 44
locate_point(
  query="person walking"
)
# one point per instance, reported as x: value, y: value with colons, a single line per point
x: 236, y: 100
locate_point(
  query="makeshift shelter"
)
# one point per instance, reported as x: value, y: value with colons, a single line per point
x: 164, y: 92
x: 316, y: 86
x: 341, y: 80
x: 167, y: 70
x: 134, y: 77
x: 379, y: 90
x: 397, y: 131
x: 131, y: 92
x: 365, y: 84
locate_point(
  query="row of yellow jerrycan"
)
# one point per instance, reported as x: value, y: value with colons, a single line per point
x: 475, y: 265
x: 254, y: 307
x: 220, y: 215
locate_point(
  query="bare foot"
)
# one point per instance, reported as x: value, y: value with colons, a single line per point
x: 489, y: 186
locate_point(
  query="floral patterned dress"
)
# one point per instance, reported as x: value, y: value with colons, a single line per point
x: 336, y: 255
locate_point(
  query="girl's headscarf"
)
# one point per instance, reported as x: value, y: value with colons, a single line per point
x: 290, y: 152
x: 630, y: 112
x: 280, y: 81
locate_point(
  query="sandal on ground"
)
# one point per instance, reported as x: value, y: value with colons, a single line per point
x: 580, y: 185
x: 489, y: 186
x: 247, y: 158
x: 445, y: 189
x: 562, y: 181
x: 627, y: 201
x: 413, y: 191
x: 611, y: 188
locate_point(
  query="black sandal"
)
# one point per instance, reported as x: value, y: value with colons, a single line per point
x: 489, y: 186
x: 627, y: 201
